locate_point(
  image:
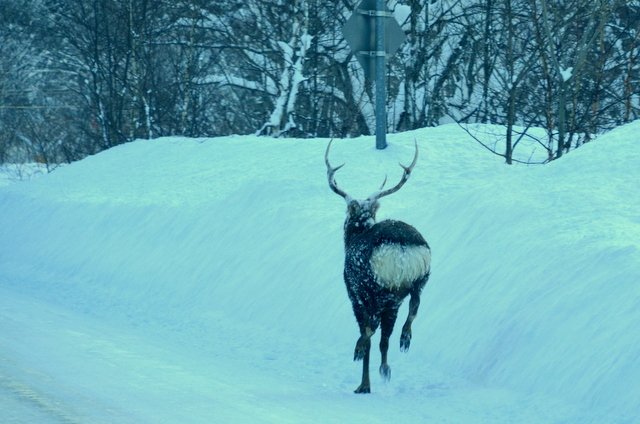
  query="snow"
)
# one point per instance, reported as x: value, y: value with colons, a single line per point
x: 566, y: 74
x: 12, y: 172
x: 401, y: 12
x: 200, y: 281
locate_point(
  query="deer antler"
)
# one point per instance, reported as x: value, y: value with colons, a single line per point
x: 405, y: 176
x: 330, y: 174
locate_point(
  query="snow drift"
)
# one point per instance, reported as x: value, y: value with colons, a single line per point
x: 232, y: 247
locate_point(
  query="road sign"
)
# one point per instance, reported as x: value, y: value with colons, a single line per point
x: 360, y: 33
x: 373, y: 34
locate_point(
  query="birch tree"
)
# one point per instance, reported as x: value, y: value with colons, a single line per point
x: 438, y: 45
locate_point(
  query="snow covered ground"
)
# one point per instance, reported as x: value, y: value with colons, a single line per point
x: 10, y: 173
x: 200, y: 281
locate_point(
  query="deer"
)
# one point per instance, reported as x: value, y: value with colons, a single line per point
x: 384, y: 263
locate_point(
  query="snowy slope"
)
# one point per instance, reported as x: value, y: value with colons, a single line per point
x: 181, y: 280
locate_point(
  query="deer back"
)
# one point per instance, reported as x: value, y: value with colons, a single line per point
x: 391, y: 254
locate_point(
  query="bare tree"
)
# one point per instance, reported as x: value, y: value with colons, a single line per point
x: 80, y: 76
x: 578, y: 25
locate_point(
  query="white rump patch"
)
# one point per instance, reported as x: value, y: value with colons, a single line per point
x: 395, y: 266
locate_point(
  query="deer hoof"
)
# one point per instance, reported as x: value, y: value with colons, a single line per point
x: 405, y: 341
x: 363, y: 389
x: 385, y: 372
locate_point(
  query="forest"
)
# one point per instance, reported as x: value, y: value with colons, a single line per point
x: 80, y: 76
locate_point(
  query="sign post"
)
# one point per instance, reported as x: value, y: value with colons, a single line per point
x: 373, y: 34
x: 381, y: 88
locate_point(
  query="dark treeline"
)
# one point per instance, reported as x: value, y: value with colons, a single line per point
x: 80, y: 76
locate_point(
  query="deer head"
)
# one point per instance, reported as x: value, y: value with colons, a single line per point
x: 362, y: 213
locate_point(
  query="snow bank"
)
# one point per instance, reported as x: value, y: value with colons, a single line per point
x: 237, y: 241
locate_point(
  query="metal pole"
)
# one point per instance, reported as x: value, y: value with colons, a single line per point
x: 381, y: 107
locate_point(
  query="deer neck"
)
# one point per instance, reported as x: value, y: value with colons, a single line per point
x: 353, y: 228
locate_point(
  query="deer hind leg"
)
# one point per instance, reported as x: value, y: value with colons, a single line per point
x: 405, y: 337
x: 388, y: 320
x: 363, y: 349
x: 365, y: 385
x: 366, y: 331
x: 362, y: 352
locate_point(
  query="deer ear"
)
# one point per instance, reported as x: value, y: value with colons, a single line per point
x: 353, y: 208
x: 374, y: 207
